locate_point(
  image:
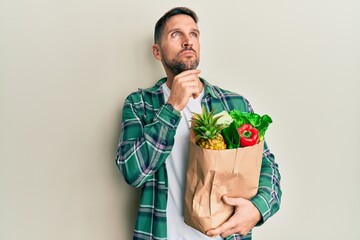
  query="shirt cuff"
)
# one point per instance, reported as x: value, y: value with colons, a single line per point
x: 169, y: 117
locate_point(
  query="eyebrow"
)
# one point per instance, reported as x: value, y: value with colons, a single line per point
x: 196, y: 30
x: 178, y: 29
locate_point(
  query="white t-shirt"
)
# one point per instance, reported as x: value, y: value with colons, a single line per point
x: 176, y: 165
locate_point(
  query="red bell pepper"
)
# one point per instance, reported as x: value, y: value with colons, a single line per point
x: 249, y: 135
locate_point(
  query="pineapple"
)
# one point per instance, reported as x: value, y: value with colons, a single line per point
x: 207, y: 131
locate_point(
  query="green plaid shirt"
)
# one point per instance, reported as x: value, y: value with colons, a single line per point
x: 147, y: 137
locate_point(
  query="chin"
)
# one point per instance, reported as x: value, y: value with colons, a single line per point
x: 191, y: 64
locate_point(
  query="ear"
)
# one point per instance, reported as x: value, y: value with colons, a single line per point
x: 156, y: 52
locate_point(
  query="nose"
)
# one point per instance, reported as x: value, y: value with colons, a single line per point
x: 187, y: 42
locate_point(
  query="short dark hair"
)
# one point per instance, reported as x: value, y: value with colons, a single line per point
x: 159, y: 26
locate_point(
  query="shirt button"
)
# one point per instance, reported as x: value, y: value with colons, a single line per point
x: 173, y: 121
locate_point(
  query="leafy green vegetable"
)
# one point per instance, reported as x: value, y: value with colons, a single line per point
x: 261, y: 123
x: 265, y: 122
x: 231, y: 136
x: 239, y: 118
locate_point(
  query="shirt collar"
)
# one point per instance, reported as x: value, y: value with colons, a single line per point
x: 208, y: 88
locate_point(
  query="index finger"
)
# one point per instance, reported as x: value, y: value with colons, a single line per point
x: 217, y: 231
x: 189, y: 72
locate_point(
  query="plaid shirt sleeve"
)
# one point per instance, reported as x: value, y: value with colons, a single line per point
x: 144, y: 145
x: 268, y: 197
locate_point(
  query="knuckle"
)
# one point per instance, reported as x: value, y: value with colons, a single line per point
x: 243, y: 232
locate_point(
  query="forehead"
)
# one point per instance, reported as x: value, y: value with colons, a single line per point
x: 180, y: 21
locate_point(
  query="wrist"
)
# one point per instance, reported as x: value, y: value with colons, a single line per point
x: 173, y: 106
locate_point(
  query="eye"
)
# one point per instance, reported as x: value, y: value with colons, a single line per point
x: 175, y: 34
x: 194, y: 34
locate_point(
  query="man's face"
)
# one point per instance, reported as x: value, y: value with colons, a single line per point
x: 180, y: 46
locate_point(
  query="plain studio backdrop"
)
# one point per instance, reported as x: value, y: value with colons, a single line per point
x: 67, y: 66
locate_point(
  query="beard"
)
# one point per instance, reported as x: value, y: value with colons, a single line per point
x: 177, y: 66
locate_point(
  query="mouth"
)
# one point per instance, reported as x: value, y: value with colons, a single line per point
x: 188, y: 52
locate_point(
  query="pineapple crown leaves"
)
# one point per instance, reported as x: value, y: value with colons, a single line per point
x: 205, y: 125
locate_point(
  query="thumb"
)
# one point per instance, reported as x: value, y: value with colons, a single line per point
x: 232, y: 201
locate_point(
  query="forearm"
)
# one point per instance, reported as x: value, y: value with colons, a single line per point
x: 143, y: 147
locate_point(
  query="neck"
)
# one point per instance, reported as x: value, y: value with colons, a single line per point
x: 169, y: 78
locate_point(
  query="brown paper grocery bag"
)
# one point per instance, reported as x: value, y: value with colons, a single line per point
x: 214, y: 173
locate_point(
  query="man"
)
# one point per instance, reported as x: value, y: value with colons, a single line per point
x: 153, y: 147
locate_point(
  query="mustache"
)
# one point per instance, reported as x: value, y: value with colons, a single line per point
x: 187, y: 49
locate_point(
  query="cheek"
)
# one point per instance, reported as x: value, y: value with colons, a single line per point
x: 196, y: 46
x: 197, y: 49
x: 164, y: 50
x: 171, y: 51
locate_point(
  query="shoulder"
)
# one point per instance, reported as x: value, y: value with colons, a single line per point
x: 232, y: 99
x: 145, y: 94
x: 226, y: 92
x: 219, y: 90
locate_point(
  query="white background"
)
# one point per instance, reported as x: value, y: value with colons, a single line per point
x: 67, y: 66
